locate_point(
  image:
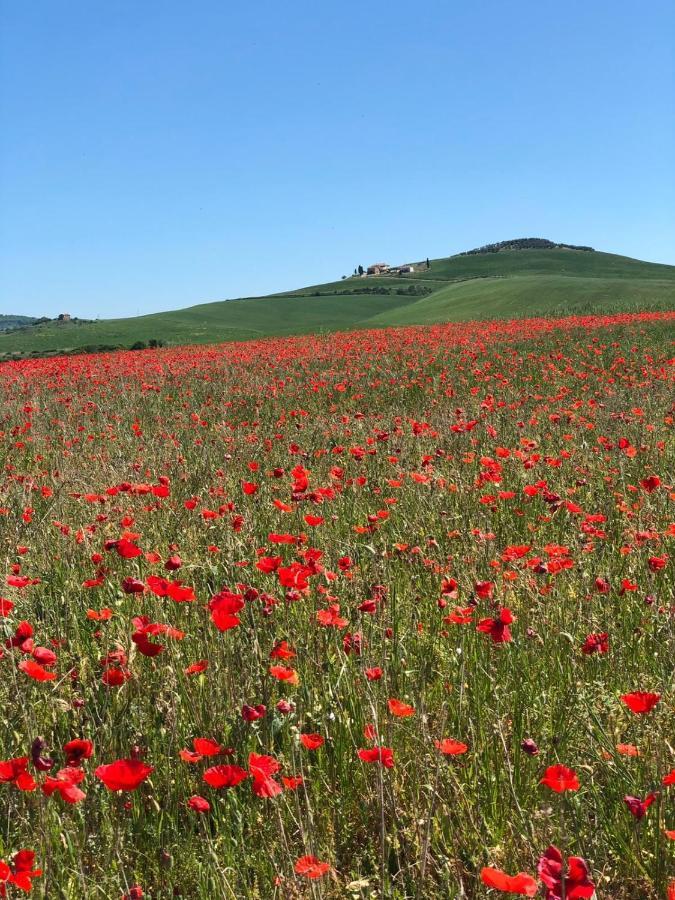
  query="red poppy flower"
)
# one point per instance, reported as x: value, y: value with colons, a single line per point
x: 576, y: 879
x: 253, y: 713
x: 77, y: 750
x: 669, y: 778
x: 596, y: 643
x: 312, y: 741
x: 115, y: 676
x: 135, y: 893
x: 450, y: 747
x: 284, y: 673
x: 400, y: 709
x: 331, y: 617
x: 66, y: 783
x: 291, y: 782
x: 224, y: 608
x: 127, y: 548
x: 484, y: 589
x: 190, y: 757
x: 638, y: 808
x: 281, y: 650
x: 560, y: 779
x: 199, y: 804
x: 123, y: 774
x: 6, y: 606
x: 102, y: 615
x: 145, y: 645
x: 265, y: 787
x: 522, y: 884
x: 35, y: 670
x: 262, y: 768
x: 260, y: 764
x: 627, y: 750
x: 313, y: 521
x: 311, y: 867
x: 498, y: 628
x: 15, y: 771
x: 640, y: 702
x: 374, y: 673
x: 197, y: 668
x: 459, y: 616
x: 20, y: 872
x: 225, y: 776
x: 383, y: 755
x: 650, y: 483
x: 206, y: 747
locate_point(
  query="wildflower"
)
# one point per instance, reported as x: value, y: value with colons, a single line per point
x: 573, y: 878
x: 522, y: 884
x: 640, y: 702
x: 123, y: 774
x: 560, y: 779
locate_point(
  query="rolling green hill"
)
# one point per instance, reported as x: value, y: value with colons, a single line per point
x: 510, y: 283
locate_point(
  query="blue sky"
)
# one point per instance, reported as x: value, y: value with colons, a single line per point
x: 160, y: 154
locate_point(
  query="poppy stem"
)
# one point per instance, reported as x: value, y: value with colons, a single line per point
x: 563, y: 848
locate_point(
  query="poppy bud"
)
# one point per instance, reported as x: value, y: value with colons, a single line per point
x: 41, y: 763
x: 528, y: 746
x: 132, y: 586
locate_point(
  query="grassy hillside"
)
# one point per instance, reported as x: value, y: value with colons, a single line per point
x: 507, y: 284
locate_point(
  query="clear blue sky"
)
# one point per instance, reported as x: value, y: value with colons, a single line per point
x: 158, y: 154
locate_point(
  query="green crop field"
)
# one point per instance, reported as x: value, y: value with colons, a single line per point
x: 515, y: 283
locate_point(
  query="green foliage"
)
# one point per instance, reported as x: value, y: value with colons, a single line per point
x: 513, y: 283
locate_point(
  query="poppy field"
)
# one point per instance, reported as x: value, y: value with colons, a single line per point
x: 375, y: 614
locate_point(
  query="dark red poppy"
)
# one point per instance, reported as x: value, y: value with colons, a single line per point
x: 77, y: 750
x: 638, y: 808
x: 574, y: 876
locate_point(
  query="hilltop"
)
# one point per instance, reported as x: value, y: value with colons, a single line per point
x: 486, y: 283
x: 525, y: 244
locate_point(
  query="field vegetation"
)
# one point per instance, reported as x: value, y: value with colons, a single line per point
x: 386, y: 613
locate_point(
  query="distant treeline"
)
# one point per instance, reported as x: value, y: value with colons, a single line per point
x: 152, y: 344
x: 412, y: 290
x: 23, y: 325
x: 524, y: 244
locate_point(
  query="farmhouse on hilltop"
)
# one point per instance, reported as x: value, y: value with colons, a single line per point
x: 378, y: 269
